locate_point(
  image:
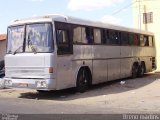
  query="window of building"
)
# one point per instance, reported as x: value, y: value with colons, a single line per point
x: 148, y: 17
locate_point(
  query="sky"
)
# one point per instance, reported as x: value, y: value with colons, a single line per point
x: 117, y: 12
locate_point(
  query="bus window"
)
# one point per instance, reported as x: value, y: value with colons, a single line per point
x: 150, y: 41
x: 146, y: 42
x: 105, y: 36
x: 89, y: 35
x: 77, y: 35
x: 64, y: 38
x: 63, y: 41
x: 124, y: 38
x: 97, y: 36
x: 141, y: 40
x: 131, y: 39
x: 136, y: 40
x: 83, y: 34
x: 113, y: 37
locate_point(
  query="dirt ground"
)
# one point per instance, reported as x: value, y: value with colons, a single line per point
x: 141, y: 95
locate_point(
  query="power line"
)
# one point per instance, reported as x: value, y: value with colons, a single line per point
x: 127, y: 6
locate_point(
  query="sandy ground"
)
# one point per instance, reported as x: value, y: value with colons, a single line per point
x: 141, y: 95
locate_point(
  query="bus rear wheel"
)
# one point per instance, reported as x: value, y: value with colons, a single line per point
x: 82, y: 80
x: 141, y: 70
x: 134, y: 70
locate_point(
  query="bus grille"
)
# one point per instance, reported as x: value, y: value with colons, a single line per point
x: 153, y: 63
x: 25, y: 72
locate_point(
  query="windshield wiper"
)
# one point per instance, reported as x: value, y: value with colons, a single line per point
x: 30, y: 43
x: 17, y: 50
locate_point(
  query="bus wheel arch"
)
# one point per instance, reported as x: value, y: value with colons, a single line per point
x: 84, y: 79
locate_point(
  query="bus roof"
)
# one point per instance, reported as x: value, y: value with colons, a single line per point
x: 73, y: 20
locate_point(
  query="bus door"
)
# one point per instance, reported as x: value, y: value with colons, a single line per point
x: 64, y: 55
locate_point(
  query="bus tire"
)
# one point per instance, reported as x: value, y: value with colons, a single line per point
x: 141, y: 69
x: 134, y: 70
x: 1, y: 64
x: 82, y: 83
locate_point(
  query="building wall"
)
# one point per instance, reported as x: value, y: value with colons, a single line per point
x: 2, y: 49
x: 145, y: 7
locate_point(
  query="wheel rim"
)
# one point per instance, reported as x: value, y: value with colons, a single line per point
x: 83, y: 81
x: 142, y: 69
x: 134, y: 71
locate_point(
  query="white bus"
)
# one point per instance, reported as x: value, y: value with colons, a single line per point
x: 56, y: 52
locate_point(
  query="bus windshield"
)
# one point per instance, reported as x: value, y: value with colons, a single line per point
x: 15, y: 39
x: 38, y: 38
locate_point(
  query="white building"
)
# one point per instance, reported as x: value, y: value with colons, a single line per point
x: 146, y: 16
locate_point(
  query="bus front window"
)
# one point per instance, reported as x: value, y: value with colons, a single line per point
x: 39, y: 38
x: 15, y: 39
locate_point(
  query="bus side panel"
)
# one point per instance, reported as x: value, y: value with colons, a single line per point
x: 146, y: 54
x: 128, y: 54
x: 126, y: 65
x: 68, y: 65
x: 113, y: 69
x: 113, y: 60
x: 99, y: 71
x: 64, y: 72
x: 148, y: 63
x: 100, y: 67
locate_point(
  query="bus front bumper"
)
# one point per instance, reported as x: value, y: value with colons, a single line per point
x: 38, y: 84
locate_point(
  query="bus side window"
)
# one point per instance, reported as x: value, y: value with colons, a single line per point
x: 113, y: 37
x: 151, y: 41
x: 124, y: 38
x: 97, y: 36
x: 146, y: 42
x: 77, y: 35
x: 141, y: 40
x: 64, y: 38
x: 89, y: 35
x: 63, y: 41
x: 136, y: 40
x: 104, y: 36
x: 131, y: 39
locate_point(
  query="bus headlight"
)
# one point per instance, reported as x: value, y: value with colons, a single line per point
x: 41, y: 84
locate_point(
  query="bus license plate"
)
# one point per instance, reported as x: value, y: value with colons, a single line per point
x: 23, y: 85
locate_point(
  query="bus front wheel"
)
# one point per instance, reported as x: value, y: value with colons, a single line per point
x: 82, y: 80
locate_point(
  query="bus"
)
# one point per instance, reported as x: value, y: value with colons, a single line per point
x: 56, y: 52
